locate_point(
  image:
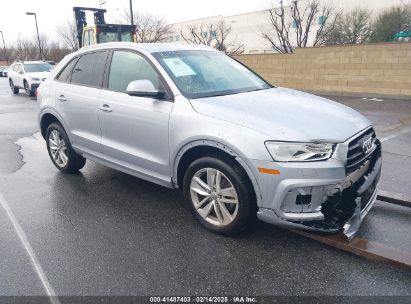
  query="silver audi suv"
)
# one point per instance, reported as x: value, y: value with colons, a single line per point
x: 192, y: 118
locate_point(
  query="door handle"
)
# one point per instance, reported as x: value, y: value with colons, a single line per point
x: 62, y: 98
x: 105, y: 108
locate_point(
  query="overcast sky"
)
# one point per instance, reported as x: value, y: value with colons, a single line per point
x: 50, y: 13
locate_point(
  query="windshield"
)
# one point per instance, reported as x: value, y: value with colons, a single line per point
x: 200, y: 74
x: 126, y: 36
x: 37, y: 67
x: 106, y: 36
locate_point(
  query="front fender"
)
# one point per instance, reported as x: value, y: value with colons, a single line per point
x: 223, y: 147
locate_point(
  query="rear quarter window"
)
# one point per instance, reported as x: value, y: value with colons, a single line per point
x: 65, y: 73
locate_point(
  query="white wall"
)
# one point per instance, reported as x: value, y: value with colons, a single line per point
x: 247, y: 28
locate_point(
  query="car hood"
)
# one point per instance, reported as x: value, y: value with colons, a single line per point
x: 40, y: 75
x: 285, y: 115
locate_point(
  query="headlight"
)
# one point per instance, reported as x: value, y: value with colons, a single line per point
x: 299, y: 152
x: 35, y: 79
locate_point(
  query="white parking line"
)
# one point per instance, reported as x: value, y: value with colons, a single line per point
x: 30, y: 252
x: 396, y: 134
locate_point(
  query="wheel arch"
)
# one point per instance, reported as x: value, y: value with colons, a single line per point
x: 200, y: 148
x: 47, y: 116
x: 46, y: 120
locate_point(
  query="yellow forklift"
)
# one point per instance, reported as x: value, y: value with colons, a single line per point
x: 100, y: 31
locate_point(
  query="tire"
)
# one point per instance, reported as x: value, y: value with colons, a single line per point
x: 59, y: 145
x: 29, y: 92
x: 231, y: 175
x: 14, y: 89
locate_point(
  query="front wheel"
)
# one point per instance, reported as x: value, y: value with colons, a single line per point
x: 27, y: 89
x: 60, y: 151
x: 220, y: 195
x: 14, y: 89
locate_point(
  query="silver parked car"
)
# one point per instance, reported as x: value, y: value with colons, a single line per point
x: 190, y: 117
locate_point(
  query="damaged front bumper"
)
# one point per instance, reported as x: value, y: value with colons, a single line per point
x: 323, y: 196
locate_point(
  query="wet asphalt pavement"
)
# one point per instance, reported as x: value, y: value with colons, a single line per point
x: 103, y: 232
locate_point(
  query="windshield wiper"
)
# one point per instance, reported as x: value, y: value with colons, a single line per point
x: 255, y: 90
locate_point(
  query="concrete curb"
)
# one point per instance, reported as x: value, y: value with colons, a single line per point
x: 394, y: 198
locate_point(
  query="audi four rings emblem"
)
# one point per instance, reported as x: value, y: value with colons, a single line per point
x: 367, y: 145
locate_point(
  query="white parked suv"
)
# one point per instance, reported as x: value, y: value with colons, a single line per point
x: 28, y: 75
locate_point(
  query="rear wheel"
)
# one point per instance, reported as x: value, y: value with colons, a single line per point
x: 14, y: 89
x: 220, y: 195
x: 60, y: 151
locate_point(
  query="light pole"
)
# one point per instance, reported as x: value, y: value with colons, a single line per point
x: 5, y: 50
x: 38, y: 36
x: 131, y: 13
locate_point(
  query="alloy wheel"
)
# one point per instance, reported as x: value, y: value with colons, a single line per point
x: 214, y: 197
x: 58, y: 149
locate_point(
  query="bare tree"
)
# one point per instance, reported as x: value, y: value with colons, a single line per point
x: 225, y: 43
x: 292, y: 26
x: 329, y: 19
x: 149, y: 28
x: 25, y: 49
x: 45, y: 43
x: 203, y: 34
x: 56, y: 52
x: 279, y: 35
x: 352, y: 27
x: 217, y: 35
x: 68, y: 33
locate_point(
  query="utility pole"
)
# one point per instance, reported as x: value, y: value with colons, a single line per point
x: 38, y: 36
x: 5, y: 50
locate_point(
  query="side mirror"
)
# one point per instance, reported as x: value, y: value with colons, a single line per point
x: 144, y: 88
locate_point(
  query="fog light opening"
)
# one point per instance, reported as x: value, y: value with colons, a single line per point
x: 303, y: 199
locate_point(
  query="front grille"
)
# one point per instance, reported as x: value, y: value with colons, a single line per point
x: 356, y: 156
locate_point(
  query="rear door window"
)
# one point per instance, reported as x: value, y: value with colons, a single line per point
x: 89, y: 69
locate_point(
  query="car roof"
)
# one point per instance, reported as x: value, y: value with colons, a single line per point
x: 148, y: 47
x: 29, y: 62
x: 33, y: 62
